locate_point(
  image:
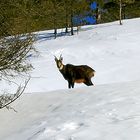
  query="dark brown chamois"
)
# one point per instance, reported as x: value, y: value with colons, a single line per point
x: 75, y: 74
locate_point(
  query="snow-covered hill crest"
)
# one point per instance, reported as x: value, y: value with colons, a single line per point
x: 102, y: 112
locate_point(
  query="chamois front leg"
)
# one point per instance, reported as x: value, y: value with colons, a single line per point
x: 69, y: 84
x: 72, y: 84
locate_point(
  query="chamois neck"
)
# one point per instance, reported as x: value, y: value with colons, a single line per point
x: 61, y: 67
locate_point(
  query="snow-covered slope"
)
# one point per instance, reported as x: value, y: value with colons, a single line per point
x: 106, y: 112
x: 112, y: 50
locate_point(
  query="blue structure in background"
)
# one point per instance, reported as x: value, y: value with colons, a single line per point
x: 88, y: 18
x: 93, y: 6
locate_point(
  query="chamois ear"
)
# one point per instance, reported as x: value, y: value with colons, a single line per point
x: 61, y: 58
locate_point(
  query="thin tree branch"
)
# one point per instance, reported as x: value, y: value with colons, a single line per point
x: 19, y: 92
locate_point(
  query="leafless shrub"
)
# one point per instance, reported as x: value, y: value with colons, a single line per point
x: 13, y: 63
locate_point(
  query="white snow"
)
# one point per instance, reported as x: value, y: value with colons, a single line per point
x: 107, y: 111
x: 112, y: 50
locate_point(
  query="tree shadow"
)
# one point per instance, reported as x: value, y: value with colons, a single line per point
x: 46, y: 35
x: 43, y: 36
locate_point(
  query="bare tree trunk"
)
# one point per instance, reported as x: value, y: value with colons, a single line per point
x: 55, y: 29
x: 120, y: 12
x: 66, y: 12
x: 72, y: 18
x: 97, y: 14
x: 54, y: 18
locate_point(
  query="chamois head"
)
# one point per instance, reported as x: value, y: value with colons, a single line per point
x: 59, y: 62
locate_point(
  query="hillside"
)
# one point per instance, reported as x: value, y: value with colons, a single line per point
x: 107, y: 111
x: 92, y: 113
x: 112, y: 50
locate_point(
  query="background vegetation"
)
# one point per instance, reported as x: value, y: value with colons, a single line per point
x: 15, y: 44
x: 33, y: 15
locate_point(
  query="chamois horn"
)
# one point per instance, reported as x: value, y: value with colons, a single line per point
x: 61, y: 58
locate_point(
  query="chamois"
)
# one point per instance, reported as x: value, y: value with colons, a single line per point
x: 75, y: 74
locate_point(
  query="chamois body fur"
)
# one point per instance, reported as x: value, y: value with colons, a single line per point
x: 75, y: 74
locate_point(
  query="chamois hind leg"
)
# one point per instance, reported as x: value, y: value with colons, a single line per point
x: 88, y: 83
